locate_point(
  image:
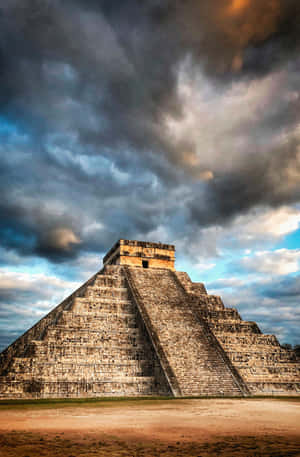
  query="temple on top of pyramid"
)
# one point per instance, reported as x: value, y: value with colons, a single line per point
x: 138, y: 327
x: 141, y: 254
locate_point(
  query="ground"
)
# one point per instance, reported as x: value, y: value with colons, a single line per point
x: 146, y: 428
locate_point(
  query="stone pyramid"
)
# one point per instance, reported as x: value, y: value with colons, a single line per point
x: 140, y: 328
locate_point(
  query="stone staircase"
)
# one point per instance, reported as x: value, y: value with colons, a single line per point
x: 95, y: 346
x: 265, y: 366
x: 188, y: 350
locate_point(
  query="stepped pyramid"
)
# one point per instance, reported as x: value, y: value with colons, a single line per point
x: 140, y: 328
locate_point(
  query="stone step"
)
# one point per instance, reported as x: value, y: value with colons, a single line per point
x: 97, y: 338
x: 97, y: 364
x: 197, y: 288
x: 109, y: 281
x: 221, y: 315
x: 240, y: 327
x: 68, y: 369
x: 139, y: 352
x: 103, y: 289
x: 279, y: 368
x: 51, y: 375
x: 87, y: 305
x: 273, y: 380
x: 120, y: 379
x: 78, y: 388
x: 129, y: 352
x: 101, y: 321
x: 188, y: 285
x: 253, y: 349
x: 209, y: 390
x: 106, y: 292
x: 211, y: 302
x: 101, y: 314
x: 113, y: 270
x: 106, y: 359
x: 274, y: 371
x: 84, y: 336
x: 223, y: 323
x: 102, y: 300
x: 62, y: 331
x: 105, y: 347
x: 83, y: 363
x: 262, y: 358
x: 275, y: 387
x: 211, y: 307
x: 228, y: 340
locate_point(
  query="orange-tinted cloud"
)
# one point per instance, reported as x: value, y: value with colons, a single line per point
x: 251, y: 21
x: 220, y: 32
x: 238, y: 5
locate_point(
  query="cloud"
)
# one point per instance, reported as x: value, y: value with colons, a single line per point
x: 57, y: 241
x: 279, y: 262
x: 227, y: 283
x: 107, y: 108
x: 274, y: 223
x: 201, y: 266
x: 254, y: 231
x: 25, y: 298
x: 284, y: 289
x: 13, y: 284
x: 272, y: 302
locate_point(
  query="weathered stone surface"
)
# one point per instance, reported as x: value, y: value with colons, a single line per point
x: 94, y: 345
x: 141, y: 254
x: 193, y: 354
x: 264, y: 365
x: 145, y: 331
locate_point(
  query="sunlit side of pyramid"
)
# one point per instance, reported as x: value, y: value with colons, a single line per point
x: 140, y: 328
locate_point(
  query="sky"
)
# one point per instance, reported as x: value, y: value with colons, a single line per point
x: 172, y: 121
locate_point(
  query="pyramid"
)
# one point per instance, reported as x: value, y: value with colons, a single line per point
x: 138, y: 327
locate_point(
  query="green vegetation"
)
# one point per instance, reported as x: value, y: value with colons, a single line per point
x: 120, y: 401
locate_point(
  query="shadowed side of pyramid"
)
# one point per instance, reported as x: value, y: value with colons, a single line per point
x: 140, y: 328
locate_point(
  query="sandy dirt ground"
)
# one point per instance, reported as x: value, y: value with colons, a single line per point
x: 253, y: 427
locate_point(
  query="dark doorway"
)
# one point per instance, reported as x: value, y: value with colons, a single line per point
x: 145, y: 263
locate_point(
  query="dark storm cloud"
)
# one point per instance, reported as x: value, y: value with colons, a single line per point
x: 124, y: 59
x: 91, y: 83
x: 271, y: 178
x: 51, y: 202
x: 113, y: 85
